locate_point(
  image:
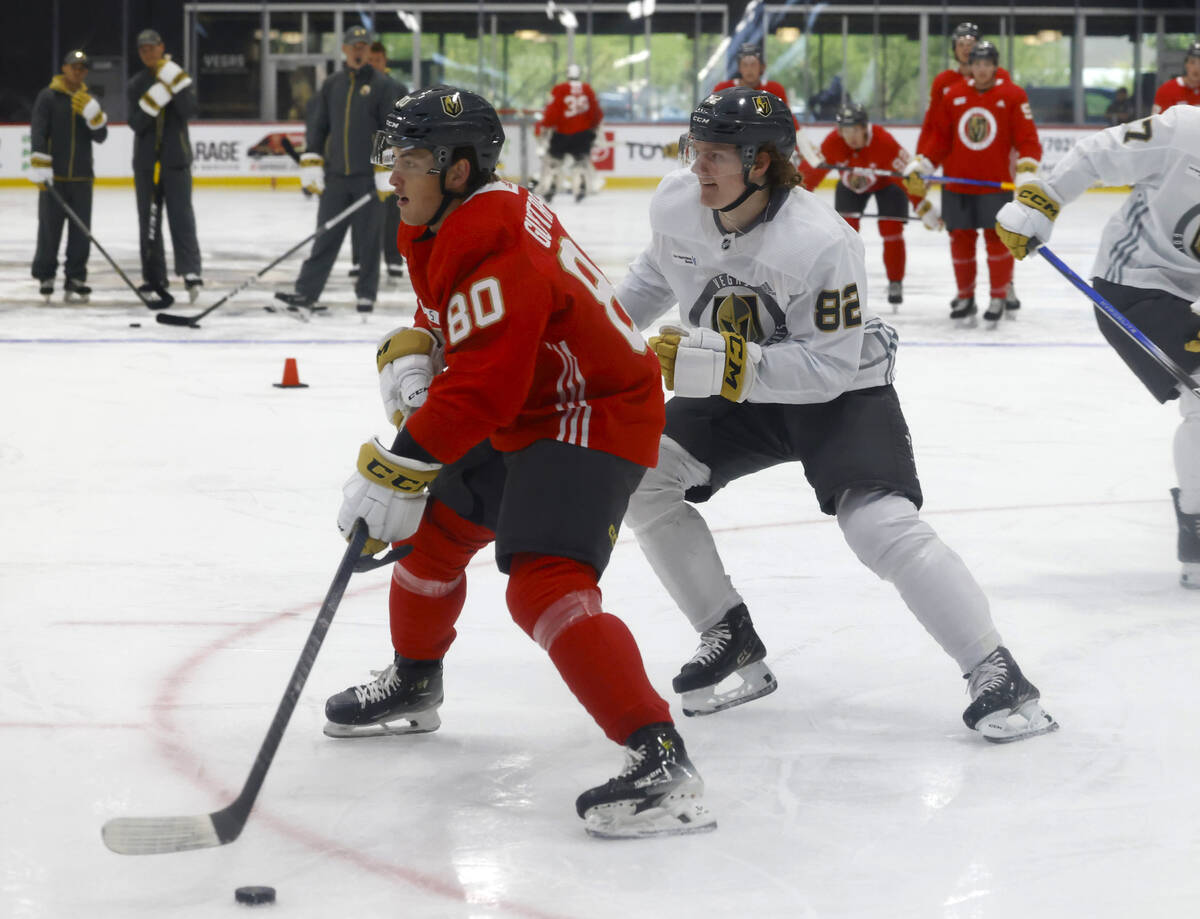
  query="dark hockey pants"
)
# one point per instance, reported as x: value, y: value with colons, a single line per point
x: 51, y: 217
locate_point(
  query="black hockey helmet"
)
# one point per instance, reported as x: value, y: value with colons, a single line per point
x: 441, y: 119
x: 1193, y: 50
x: 984, y: 51
x: 749, y: 118
x: 749, y: 50
x: 965, y: 30
x: 850, y: 114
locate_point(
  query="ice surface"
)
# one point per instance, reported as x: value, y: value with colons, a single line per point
x: 169, y: 533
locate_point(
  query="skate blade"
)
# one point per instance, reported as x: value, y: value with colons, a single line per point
x: 754, y: 681
x: 298, y: 313
x: 421, y: 723
x: 1006, y: 726
x: 74, y: 298
x: 674, y: 816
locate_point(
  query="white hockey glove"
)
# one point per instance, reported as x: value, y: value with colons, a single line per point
x: 408, y: 360
x: 172, y: 76
x: 929, y: 215
x: 700, y: 362
x: 312, y: 172
x: 41, y: 170
x: 388, y: 492
x: 1026, y: 171
x: 914, y: 182
x: 83, y: 104
x: 154, y: 99
x: 1028, y: 219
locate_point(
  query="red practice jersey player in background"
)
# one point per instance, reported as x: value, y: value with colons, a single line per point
x: 570, y: 120
x: 1183, y: 90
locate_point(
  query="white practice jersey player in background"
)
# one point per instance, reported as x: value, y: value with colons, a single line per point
x: 776, y: 358
x: 1147, y: 265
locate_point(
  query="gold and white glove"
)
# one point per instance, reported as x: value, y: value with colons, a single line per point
x: 700, y: 362
x: 83, y: 104
x: 172, y: 76
x: 1027, y: 220
x: 41, y: 170
x: 388, y: 492
x: 914, y: 182
x: 929, y: 215
x: 383, y: 185
x: 1026, y: 171
x: 408, y: 360
x: 312, y: 172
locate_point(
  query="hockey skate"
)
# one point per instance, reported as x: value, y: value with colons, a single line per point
x: 658, y: 793
x: 76, y: 291
x: 995, y: 311
x: 46, y: 289
x: 402, y: 699
x: 1011, y: 303
x: 963, y: 310
x: 193, y: 283
x: 1004, y: 704
x: 895, y: 293
x: 1188, y: 545
x: 296, y: 305
x: 731, y: 649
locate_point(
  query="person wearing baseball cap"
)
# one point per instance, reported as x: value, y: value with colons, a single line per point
x: 161, y: 100
x: 66, y: 121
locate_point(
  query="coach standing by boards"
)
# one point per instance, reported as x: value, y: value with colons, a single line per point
x: 161, y: 100
x: 344, y: 115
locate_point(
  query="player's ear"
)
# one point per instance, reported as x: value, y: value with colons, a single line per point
x: 762, y: 162
x: 458, y: 175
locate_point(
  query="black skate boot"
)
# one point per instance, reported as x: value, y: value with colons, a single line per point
x: 193, y: 283
x: 729, y: 648
x: 297, y: 303
x: 407, y: 691
x: 1011, y: 303
x: 895, y: 293
x: 395, y: 272
x: 658, y: 793
x: 354, y: 271
x: 994, y: 312
x: 1188, y: 545
x: 963, y: 308
x: 999, y: 691
x: 75, y: 291
x: 46, y: 289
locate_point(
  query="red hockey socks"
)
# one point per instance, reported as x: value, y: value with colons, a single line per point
x: 894, y: 253
x: 1000, y: 264
x: 962, y: 254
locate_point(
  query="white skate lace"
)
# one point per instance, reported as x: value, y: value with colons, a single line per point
x: 376, y: 691
x: 634, y: 756
x: 712, y: 643
x: 991, y: 674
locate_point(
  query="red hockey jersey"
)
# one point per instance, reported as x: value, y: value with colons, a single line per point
x: 975, y: 132
x: 768, y: 85
x: 1175, y: 92
x: 882, y: 151
x: 572, y: 109
x: 536, y: 345
x: 942, y: 84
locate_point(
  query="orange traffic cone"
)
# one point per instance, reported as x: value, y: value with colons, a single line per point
x: 291, y: 376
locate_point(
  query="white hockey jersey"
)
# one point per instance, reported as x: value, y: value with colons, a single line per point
x: 1153, y: 242
x: 795, y: 283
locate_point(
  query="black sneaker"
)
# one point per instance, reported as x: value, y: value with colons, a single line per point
x: 659, y: 791
x: 402, y: 699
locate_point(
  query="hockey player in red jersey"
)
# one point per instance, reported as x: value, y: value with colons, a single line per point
x: 976, y: 128
x: 572, y: 117
x: 1182, y: 90
x: 751, y: 71
x: 530, y: 408
x: 869, y: 150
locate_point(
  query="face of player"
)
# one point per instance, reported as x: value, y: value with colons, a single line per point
x: 74, y: 75
x: 150, y: 54
x: 356, y: 54
x: 750, y: 69
x: 983, y: 72
x: 855, y: 136
x: 719, y: 169
x: 962, y: 48
x: 1191, y: 71
x: 378, y: 60
x: 418, y: 186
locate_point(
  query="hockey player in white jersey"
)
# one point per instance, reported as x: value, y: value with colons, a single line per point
x: 1147, y: 266
x: 776, y: 358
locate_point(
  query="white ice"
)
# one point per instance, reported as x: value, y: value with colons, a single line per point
x: 169, y: 532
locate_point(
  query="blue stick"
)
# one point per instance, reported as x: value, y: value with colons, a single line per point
x: 1182, y: 376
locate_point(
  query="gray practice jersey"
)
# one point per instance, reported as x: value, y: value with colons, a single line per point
x: 795, y: 283
x: 1153, y: 242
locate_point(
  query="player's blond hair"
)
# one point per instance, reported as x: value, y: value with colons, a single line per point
x: 781, y: 173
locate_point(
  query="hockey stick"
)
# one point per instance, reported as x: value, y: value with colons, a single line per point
x: 870, y: 170
x: 878, y: 216
x: 193, y: 322
x: 1154, y: 351
x: 164, y: 299
x: 156, y: 835
x: 154, y: 229
x: 290, y: 149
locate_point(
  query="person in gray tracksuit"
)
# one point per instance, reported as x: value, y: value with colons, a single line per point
x: 343, y: 117
x: 66, y: 122
x: 161, y: 100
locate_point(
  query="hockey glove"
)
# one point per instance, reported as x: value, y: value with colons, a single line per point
x: 700, y: 362
x: 408, y: 359
x: 388, y: 492
x: 914, y: 176
x: 172, y: 76
x: 929, y: 215
x: 383, y: 185
x: 83, y: 104
x: 154, y: 99
x: 1027, y: 222
x: 41, y: 170
x: 1026, y: 171
x: 312, y: 173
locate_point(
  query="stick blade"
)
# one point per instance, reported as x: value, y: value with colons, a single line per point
x: 172, y: 319
x: 158, y: 835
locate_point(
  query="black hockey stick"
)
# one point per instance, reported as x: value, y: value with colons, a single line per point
x: 164, y: 299
x: 154, y: 229
x: 156, y: 835
x: 290, y: 149
x: 194, y: 321
x: 1118, y: 318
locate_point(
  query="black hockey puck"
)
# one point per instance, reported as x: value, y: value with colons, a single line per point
x: 254, y: 896
x: 135, y: 325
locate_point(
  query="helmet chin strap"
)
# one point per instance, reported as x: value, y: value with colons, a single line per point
x: 750, y: 189
x: 447, y: 198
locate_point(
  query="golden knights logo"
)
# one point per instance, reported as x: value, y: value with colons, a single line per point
x: 1185, y: 235
x: 729, y: 304
x: 762, y: 105
x: 452, y: 105
x: 977, y: 128
x: 737, y: 312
